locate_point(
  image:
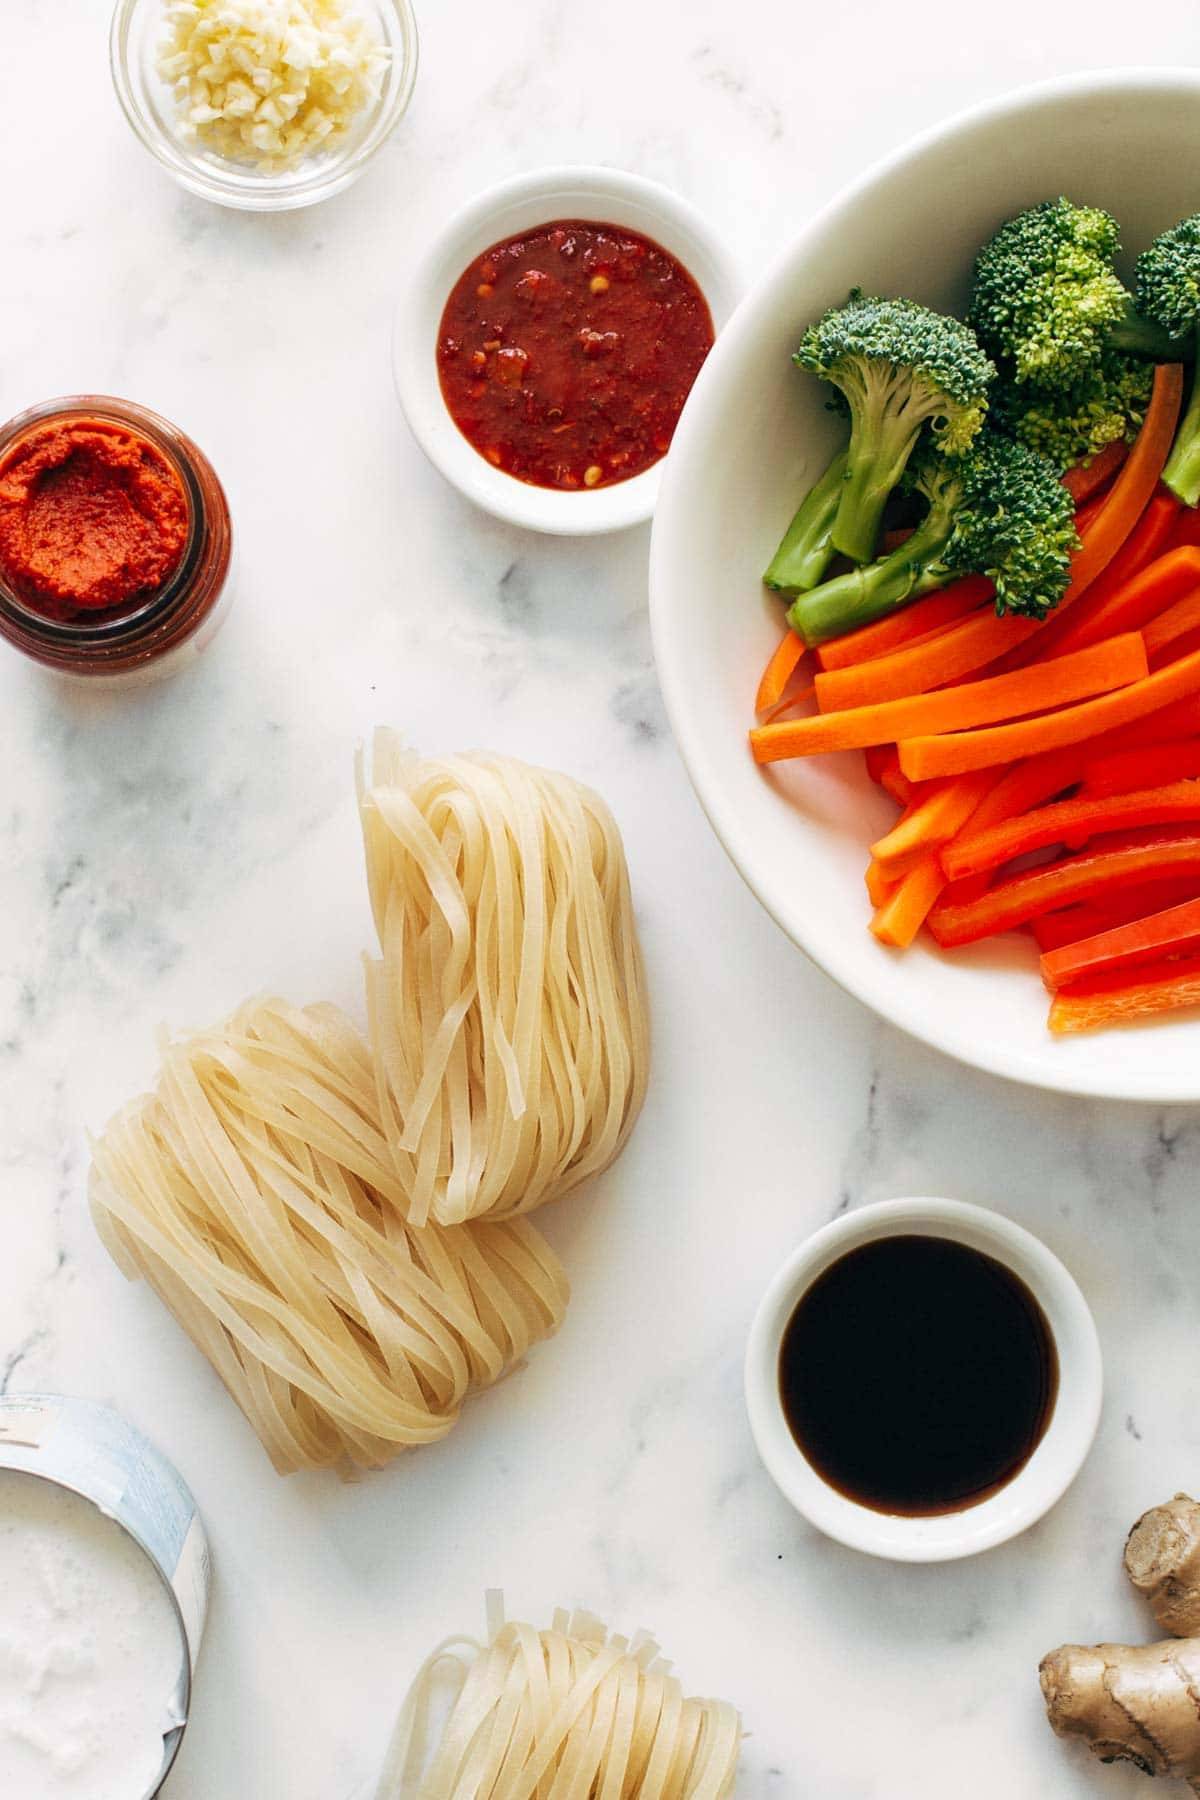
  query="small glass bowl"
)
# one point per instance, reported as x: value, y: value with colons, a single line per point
x: 148, y: 103
x: 157, y: 635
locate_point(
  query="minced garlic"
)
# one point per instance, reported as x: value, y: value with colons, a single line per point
x: 270, y: 82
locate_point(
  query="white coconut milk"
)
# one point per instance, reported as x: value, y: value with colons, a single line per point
x: 89, y: 1651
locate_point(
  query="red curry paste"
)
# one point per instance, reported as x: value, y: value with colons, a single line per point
x: 93, y: 517
x: 566, y: 353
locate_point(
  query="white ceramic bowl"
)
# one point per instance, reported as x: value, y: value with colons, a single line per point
x: 526, y: 200
x: 1053, y: 1465
x: 753, y: 436
x: 149, y: 105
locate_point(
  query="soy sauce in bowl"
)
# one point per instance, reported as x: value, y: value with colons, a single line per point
x: 917, y: 1375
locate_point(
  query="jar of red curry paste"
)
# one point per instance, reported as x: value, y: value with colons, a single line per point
x: 115, y: 540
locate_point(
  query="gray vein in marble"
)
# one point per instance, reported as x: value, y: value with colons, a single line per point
x: 762, y: 111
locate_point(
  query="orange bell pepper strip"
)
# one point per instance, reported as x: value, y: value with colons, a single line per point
x: 1120, y: 998
x: 1174, y: 932
x: 1132, y: 490
x: 1090, y: 917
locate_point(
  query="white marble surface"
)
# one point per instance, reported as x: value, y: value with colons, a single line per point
x: 164, y: 853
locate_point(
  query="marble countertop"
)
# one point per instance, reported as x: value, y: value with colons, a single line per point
x: 165, y: 852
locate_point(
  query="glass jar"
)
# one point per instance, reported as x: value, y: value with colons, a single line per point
x: 153, y: 634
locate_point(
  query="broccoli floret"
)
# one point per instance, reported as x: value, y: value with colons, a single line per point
x: 898, y: 368
x: 1105, y: 405
x: 1167, y: 285
x: 998, y: 511
x: 1047, y: 301
x: 806, y: 550
x: 1015, y: 523
x: 1167, y: 278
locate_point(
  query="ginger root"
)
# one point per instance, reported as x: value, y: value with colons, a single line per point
x: 1133, y: 1705
x: 1142, y: 1705
x: 1162, y: 1559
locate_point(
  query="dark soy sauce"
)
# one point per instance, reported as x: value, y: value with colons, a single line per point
x: 918, y: 1376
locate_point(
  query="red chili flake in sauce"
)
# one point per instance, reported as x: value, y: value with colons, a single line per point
x: 92, y: 516
x: 565, y: 354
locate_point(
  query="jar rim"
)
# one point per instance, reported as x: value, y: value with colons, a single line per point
x: 172, y: 612
x: 119, y: 621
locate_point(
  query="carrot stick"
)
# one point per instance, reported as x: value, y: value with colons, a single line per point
x: 1096, y: 872
x: 1118, y: 663
x: 778, y: 672
x: 1069, y: 822
x: 1117, y: 999
x: 903, y: 913
x: 1085, y: 478
x: 919, y: 620
x: 1174, y: 932
x: 930, y: 821
x: 927, y: 758
x: 928, y: 663
x: 1151, y: 765
x: 879, y: 885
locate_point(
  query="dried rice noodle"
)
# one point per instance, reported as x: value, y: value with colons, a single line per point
x: 254, y: 1190
x: 572, y: 1713
x: 507, y: 1013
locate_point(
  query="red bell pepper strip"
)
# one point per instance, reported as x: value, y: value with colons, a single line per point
x: 1071, y: 822
x: 1095, y: 872
x: 1144, y: 766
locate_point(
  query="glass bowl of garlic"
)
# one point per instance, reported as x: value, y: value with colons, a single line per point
x: 264, y: 104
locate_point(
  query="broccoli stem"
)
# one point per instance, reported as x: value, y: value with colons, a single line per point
x: 881, y: 441
x: 865, y: 594
x: 1135, y: 335
x: 807, y: 548
x: 1182, y: 473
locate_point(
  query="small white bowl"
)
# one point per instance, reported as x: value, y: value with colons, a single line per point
x: 603, y: 195
x: 1053, y: 1465
x: 149, y: 105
